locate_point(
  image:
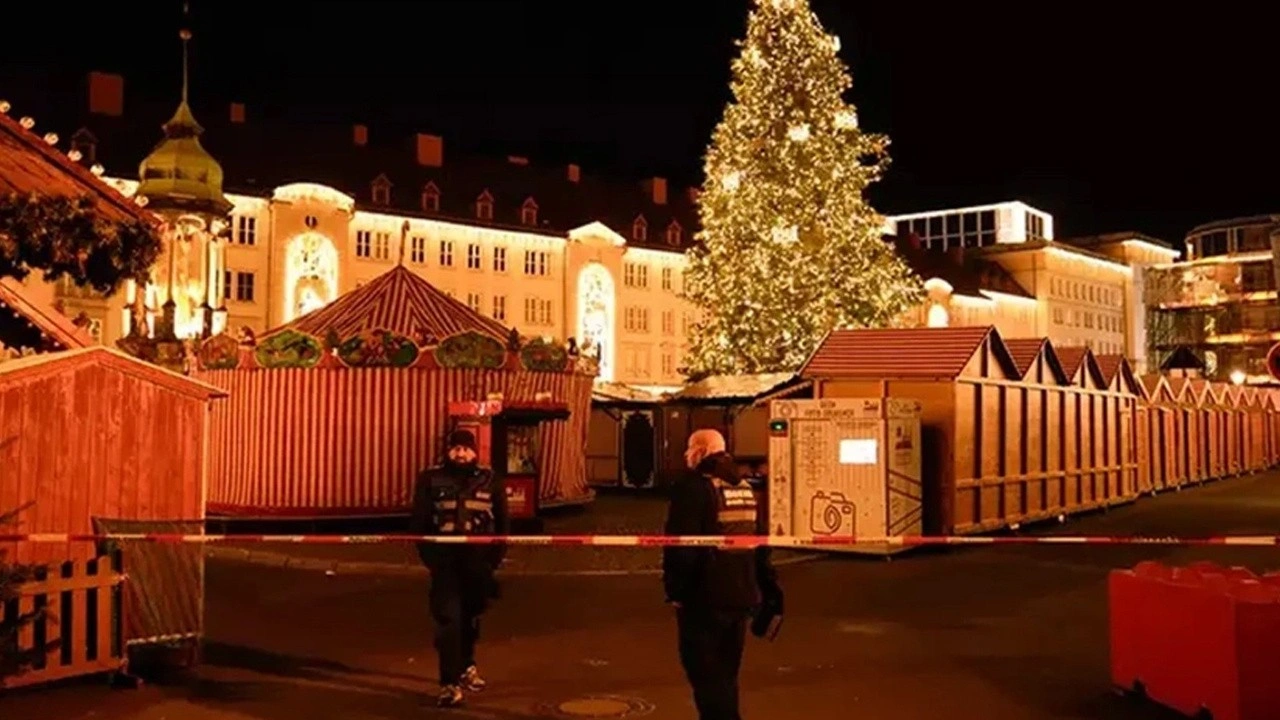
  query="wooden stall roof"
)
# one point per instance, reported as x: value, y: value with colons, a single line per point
x: 1155, y: 388
x: 29, y: 165
x: 36, y: 367
x: 621, y: 393
x: 731, y: 388
x: 53, y: 324
x: 924, y: 353
x: 1115, y: 367
x: 400, y: 302
x: 1077, y: 359
x: 1182, y: 391
x: 1206, y: 393
x: 1024, y: 352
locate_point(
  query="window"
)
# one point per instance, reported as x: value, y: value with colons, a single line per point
x: 686, y: 323
x: 484, y: 206
x: 668, y: 323
x: 499, y: 259
x: 381, y: 246
x: 418, y: 249
x: 364, y: 243
x: 1059, y: 316
x: 499, y: 307
x: 639, y: 229
x: 246, y: 230
x: 666, y: 278
x: 446, y: 253
x: 473, y: 256
x: 668, y: 364
x: 531, y: 311
x: 382, y: 191
x: 473, y: 301
x: 674, y: 233
x: 635, y: 275
x: 636, y: 319
x: 430, y: 198
x: 244, y: 286
x: 226, y: 284
x: 544, y: 312
x: 535, y: 262
x: 1035, y: 227
x: 529, y: 212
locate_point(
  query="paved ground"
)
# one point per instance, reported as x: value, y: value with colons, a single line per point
x: 610, y: 514
x: 994, y: 633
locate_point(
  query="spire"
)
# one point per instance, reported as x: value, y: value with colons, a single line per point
x: 179, y: 174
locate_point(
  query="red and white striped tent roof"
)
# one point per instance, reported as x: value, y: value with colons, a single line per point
x: 400, y: 302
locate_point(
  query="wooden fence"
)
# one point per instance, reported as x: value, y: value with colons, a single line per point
x: 81, y: 622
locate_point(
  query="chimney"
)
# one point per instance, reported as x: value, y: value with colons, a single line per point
x: 575, y: 173
x: 237, y: 113
x: 956, y: 254
x: 360, y: 135
x: 106, y: 94
x: 430, y: 150
x: 517, y: 160
x: 657, y: 189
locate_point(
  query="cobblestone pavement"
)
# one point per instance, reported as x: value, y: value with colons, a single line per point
x: 984, y: 633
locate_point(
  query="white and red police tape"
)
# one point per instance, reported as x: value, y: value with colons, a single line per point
x: 736, y: 541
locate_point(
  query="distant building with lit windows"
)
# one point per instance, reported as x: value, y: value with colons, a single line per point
x: 1220, y: 303
x: 1082, y: 292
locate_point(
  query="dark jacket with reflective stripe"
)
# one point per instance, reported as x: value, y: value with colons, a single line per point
x: 713, y: 501
x: 459, y: 501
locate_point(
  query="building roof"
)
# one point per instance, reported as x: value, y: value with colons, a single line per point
x: 1071, y: 358
x: 37, y: 366
x: 901, y: 352
x: 1112, y: 238
x: 59, y: 331
x: 400, y: 302
x: 615, y: 392
x: 1024, y: 351
x: 732, y: 387
x: 966, y: 273
x: 1109, y: 365
x: 29, y: 164
x: 1271, y: 219
x: 262, y: 153
x: 1182, y: 358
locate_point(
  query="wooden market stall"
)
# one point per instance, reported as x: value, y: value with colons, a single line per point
x: 1212, y: 410
x: 1160, y: 436
x: 98, y: 441
x: 1190, y: 439
x: 334, y: 414
x: 1004, y: 443
x: 624, y: 437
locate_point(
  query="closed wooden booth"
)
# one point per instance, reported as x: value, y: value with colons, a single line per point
x: 1005, y: 441
x: 1189, y: 443
x: 1213, y: 413
x: 624, y: 437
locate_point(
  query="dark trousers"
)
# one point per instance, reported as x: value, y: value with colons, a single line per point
x: 457, y: 602
x: 711, y: 644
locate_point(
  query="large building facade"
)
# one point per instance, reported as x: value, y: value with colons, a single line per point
x: 1220, y: 302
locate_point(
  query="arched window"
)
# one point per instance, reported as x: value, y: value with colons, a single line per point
x: 484, y: 206
x: 381, y: 190
x: 529, y: 212
x: 639, y: 229
x: 430, y: 198
x: 674, y: 233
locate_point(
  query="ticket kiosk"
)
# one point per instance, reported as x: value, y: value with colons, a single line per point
x: 845, y: 468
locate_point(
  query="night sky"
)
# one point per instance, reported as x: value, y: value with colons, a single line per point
x: 1108, y: 122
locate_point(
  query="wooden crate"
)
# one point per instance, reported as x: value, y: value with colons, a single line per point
x: 83, y: 613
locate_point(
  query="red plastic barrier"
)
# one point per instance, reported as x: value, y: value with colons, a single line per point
x: 1199, y: 637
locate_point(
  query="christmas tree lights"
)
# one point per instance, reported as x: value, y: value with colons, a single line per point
x: 789, y: 248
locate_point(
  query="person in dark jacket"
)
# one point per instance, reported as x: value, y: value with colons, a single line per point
x: 715, y: 590
x: 459, y: 498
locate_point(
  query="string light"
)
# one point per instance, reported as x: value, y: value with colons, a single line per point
x: 765, y: 297
x: 5, y: 107
x: 27, y: 123
x: 51, y: 138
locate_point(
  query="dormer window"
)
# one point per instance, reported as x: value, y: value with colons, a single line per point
x: 640, y: 229
x: 381, y: 190
x: 86, y: 144
x: 529, y: 212
x: 430, y: 198
x: 484, y: 206
x: 674, y: 234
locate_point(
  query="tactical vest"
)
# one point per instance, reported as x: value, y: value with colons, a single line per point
x: 464, y: 510
x: 736, y: 509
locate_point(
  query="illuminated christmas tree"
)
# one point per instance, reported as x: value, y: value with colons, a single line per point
x: 789, y: 247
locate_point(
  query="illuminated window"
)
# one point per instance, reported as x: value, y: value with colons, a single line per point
x: 430, y: 198
x: 446, y: 253
x: 535, y: 262
x: 500, y: 259
x: 381, y: 246
x: 244, y: 286
x: 529, y: 212
x: 668, y: 322
x: 640, y: 229
x: 666, y: 278
x: 473, y: 301
x: 499, y: 307
x: 473, y: 256
x: 246, y: 230
x: 364, y: 243
x: 635, y: 275
x: 417, y: 249
x: 484, y: 206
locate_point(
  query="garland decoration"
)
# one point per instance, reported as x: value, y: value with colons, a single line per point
x: 471, y: 350
x: 288, y: 349
x: 378, y: 348
x: 67, y: 237
x: 542, y: 356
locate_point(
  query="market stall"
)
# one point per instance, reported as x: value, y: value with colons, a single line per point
x: 334, y: 414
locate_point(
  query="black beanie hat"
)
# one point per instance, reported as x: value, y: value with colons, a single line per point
x: 461, y: 438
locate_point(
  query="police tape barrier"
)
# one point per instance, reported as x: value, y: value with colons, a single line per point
x: 736, y: 541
